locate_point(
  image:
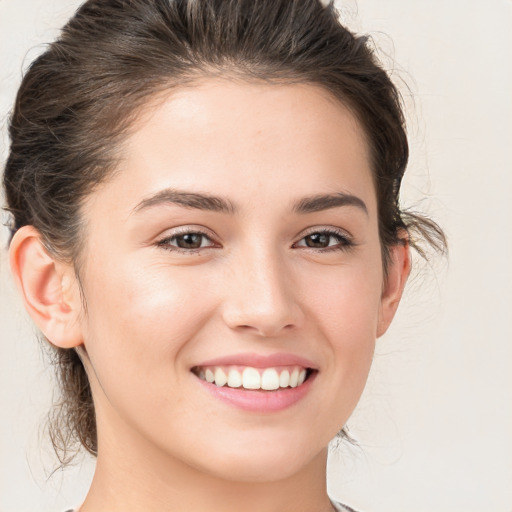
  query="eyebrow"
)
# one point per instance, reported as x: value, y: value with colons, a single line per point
x: 202, y: 201
x: 188, y: 200
x: 321, y: 202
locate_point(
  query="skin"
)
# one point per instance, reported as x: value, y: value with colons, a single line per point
x: 255, y: 286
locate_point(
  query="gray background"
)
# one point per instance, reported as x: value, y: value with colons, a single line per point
x: 435, y: 422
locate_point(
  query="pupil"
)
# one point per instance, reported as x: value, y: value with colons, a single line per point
x: 189, y: 241
x: 317, y: 240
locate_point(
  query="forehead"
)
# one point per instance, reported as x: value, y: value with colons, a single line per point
x: 267, y: 111
x: 253, y: 142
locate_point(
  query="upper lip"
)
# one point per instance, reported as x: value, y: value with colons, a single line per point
x: 260, y: 361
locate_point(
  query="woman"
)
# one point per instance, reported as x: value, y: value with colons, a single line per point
x: 206, y: 228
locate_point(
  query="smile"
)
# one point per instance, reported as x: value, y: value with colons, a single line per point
x: 268, y: 379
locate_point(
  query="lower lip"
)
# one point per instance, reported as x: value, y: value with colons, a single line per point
x: 259, y: 400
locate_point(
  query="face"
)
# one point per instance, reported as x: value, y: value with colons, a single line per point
x: 238, y: 241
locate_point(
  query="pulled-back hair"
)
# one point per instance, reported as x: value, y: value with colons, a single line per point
x: 80, y: 97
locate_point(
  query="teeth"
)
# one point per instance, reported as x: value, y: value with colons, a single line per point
x: 270, y: 379
x: 284, y: 379
x: 234, y: 379
x: 220, y: 377
x: 294, y: 378
x: 252, y: 378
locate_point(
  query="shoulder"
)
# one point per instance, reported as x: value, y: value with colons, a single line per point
x: 339, y: 507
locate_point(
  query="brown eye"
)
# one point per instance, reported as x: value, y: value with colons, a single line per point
x: 189, y: 241
x: 186, y: 242
x: 326, y: 240
x: 318, y: 240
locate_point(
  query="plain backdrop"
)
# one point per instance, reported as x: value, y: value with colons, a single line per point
x: 435, y: 423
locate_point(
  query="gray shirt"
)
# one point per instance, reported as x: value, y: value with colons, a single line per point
x: 338, y: 506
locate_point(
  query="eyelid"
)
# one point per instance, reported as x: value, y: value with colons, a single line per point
x: 348, y: 240
x: 326, y: 229
x: 163, y: 240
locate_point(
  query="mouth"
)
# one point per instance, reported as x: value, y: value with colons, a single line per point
x: 251, y: 378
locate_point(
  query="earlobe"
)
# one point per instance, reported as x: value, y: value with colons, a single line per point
x: 48, y: 288
x: 398, y: 271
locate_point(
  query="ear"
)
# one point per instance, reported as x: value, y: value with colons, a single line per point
x: 399, y: 268
x: 49, y: 288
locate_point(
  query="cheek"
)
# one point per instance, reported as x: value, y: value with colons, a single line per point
x: 141, y: 319
x: 347, y: 311
x: 348, y: 301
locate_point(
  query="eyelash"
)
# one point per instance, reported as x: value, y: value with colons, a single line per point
x: 165, y: 243
x: 344, y: 241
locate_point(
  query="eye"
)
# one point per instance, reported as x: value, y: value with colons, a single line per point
x: 186, y: 241
x: 326, y: 240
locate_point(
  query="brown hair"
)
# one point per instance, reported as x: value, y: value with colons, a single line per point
x: 78, y: 99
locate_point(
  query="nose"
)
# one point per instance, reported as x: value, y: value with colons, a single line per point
x: 261, y: 297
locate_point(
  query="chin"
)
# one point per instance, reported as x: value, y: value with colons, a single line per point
x: 250, y: 471
x: 262, y: 461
